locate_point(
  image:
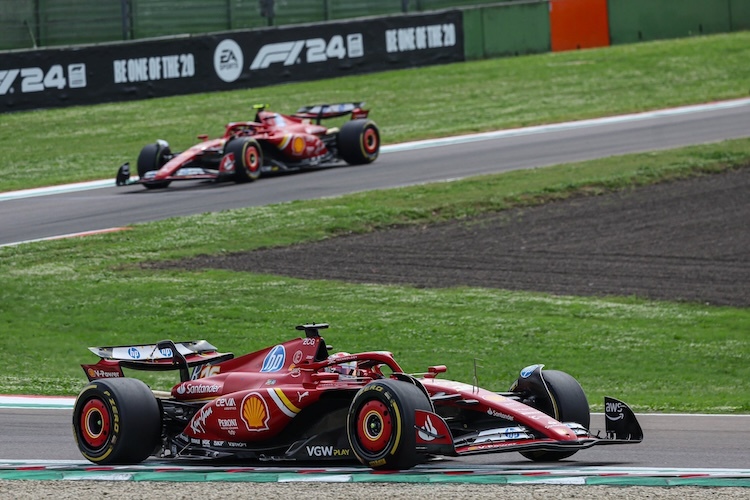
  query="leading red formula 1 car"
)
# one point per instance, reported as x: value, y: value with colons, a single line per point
x: 271, y: 143
x: 295, y: 402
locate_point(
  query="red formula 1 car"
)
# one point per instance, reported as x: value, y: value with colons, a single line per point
x: 295, y: 402
x: 272, y: 143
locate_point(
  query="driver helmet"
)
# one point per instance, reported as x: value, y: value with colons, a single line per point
x: 345, y: 370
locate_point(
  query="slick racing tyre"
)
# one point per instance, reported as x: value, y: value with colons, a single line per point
x: 248, y: 158
x: 153, y: 157
x: 380, y: 424
x: 116, y: 421
x: 359, y: 142
x: 568, y: 403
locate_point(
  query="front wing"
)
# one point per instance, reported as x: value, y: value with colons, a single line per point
x: 434, y: 436
x: 183, y: 174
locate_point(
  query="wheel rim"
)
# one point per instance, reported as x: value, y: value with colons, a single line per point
x: 374, y: 426
x: 370, y: 140
x: 252, y: 159
x: 95, y: 424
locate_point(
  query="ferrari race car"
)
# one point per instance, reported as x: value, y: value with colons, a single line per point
x: 295, y: 402
x: 272, y: 143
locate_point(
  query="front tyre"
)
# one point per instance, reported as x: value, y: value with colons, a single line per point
x: 153, y: 157
x: 359, y: 142
x: 566, y: 402
x: 116, y: 421
x: 247, y: 156
x: 380, y: 424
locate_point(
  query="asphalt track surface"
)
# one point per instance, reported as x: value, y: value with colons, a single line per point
x: 24, y: 219
x: 670, y: 441
x: 681, y: 441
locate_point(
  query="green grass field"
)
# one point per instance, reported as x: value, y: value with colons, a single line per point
x: 59, y: 297
x: 89, y: 142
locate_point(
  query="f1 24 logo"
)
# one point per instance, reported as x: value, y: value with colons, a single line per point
x: 313, y: 50
x: 35, y: 79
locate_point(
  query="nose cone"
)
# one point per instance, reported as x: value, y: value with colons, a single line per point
x: 563, y: 433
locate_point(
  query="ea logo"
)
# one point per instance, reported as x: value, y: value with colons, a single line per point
x: 228, y: 60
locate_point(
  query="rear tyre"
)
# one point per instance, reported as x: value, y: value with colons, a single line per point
x: 359, y: 142
x: 116, y: 421
x: 380, y: 424
x: 153, y: 157
x: 568, y: 403
x: 248, y: 158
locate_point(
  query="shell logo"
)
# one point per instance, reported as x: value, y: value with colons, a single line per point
x: 298, y: 145
x: 255, y: 412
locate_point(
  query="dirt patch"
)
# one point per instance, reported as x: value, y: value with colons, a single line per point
x: 685, y: 240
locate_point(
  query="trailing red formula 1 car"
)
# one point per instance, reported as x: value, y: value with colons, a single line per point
x: 295, y: 402
x: 272, y: 143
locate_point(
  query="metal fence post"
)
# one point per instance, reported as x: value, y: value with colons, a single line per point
x: 127, y: 21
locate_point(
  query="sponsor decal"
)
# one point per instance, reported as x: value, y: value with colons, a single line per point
x: 227, y: 163
x: 226, y: 403
x: 149, y: 69
x: 512, y: 433
x: 298, y: 145
x: 428, y: 432
x: 326, y: 451
x: 301, y: 395
x: 134, y: 353
x: 166, y: 352
x: 206, y: 443
x: 228, y: 60
x: 526, y: 372
x: 219, y: 443
x: 274, y: 360
x: 197, y: 425
x: 37, y: 79
x: 434, y: 36
x: 187, y: 388
x: 255, y: 412
x: 297, y: 357
x: 312, y: 50
x: 93, y: 373
x: 271, y: 381
x: 227, y: 423
x: 233, y: 444
x: 496, y: 413
x: 614, y: 411
x: 319, y: 451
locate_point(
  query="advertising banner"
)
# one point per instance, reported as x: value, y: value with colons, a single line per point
x: 223, y: 61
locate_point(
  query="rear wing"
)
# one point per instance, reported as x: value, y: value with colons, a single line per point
x: 197, y: 355
x: 320, y: 112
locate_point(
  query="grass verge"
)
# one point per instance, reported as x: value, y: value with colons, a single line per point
x: 56, y: 146
x: 59, y: 297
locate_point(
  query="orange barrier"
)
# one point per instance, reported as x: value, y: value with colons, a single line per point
x: 578, y: 24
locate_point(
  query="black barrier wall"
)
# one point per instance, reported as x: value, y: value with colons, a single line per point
x: 232, y: 60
